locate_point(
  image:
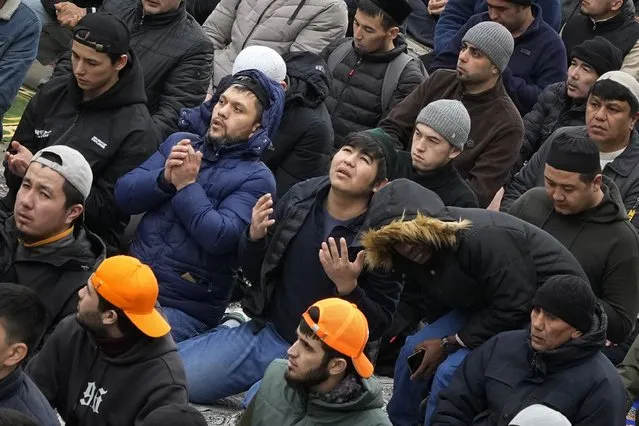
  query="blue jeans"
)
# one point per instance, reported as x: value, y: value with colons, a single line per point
x: 226, y: 361
x: 404, y: 407
x: 183, y: 326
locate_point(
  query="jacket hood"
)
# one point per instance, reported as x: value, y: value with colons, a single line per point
x: 196, y: 120
x: 128, y: 90
x: 611, y: 208
x: 405, y: 212
x: 370, y: 399
x: 575, y: 351
x: 309, y: 83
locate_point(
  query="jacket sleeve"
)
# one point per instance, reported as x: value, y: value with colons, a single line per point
x: 492, y: 167
x: 455, y: 15
x: 139, y: 190
x: 184, y: 87
x: 220, y: 22
x: 465, y: 397
x: 322, y: 29
x: 218, y: 231
x: 411, y: 77
x: 629, y: 372
x: 509, y: 281
x: 100, y: 205
x: 400, y: 121
x: 167, y: 394
x: 553, y: 69
x: 526, y: 178
x: 603, y: 406
x: 16, y: 61
x: 533, y: 126
x: 447, y: 57
x: 619, y: 296
x: 631, y: 61
x: 377, y: 295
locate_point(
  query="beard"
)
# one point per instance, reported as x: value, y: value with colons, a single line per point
x: 312, y: 378
x: 91, y: 321
x: 225, y: 140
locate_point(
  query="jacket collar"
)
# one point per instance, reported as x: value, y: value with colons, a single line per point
x: 11, y: 384
x: 536, y: 23
x: 612, y: 22
x: 9, y: 8
x: 627, y: 161
x: 384, y: 57
x: 495, y: 92
x: 436, y: 178
x: 161, y: 19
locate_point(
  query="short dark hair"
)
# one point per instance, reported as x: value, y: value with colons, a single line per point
x: 114, y: 57
x: 588, y: 177
x: 258, y: 105
x: 611, y: 90
x: 366, y: 143
x: 124, y: 323
x: 22, y: 314
x: 71, y: 194
x: 371, y: 9
x: 11, y: 417
x: 329, y: 353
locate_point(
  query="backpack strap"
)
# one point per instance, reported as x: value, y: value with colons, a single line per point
x: 391, y: 78
x: 338, y: 55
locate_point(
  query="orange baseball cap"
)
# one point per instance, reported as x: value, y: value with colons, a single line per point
x: 130, y: 285
x: 343, y: 327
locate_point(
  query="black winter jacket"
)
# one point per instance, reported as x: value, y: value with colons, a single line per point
x: 623, y: 171
x: 446, y: 182
x: 18, y: 392
x: 505, y: 375
x: 621, y: 30
x: 605, y: 244
x: 88, y: 387
x: 376, y: 295
x: 113, y: 131
x: 355, y: 102
x: 303, y: 143
x: 553, y: 110
x: 54, y: 271
x: 489, y: 263
x: 175, y: 54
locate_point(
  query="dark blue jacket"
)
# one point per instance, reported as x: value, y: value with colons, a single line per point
x: 458, y: 12
x: 537, y: 61
x: 18, y: 392
x: 189, y: 237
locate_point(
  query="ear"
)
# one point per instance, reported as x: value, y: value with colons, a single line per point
x: 454, y: 152
x: 634, y: 121
x: 284, y: 85
x: 495, y: 70
x: 616, y: 5
x: 576, y: 334
x: 16, y: 353
x: 121, y: 62
x: 109, y: 317
x: 337, y: 366
x: 379, y: 185
x: 393, y: 33
x: 254, y: 129
x: 73, y: 213
x: 596, y: 183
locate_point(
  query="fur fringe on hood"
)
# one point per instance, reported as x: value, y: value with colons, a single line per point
x: 421, y: 230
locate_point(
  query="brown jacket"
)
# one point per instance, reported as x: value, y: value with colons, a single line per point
x: 496, y: 130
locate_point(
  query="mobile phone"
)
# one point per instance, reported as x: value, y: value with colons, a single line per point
x: 415, y: 360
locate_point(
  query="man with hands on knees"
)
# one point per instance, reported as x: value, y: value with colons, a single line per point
x: 197, y: 194
x: 295, y: 252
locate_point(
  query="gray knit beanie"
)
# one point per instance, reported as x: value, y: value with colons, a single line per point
x: 449, y: 118
x: 494, y: 40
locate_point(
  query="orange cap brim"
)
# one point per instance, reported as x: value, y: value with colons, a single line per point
x: 152, y: 324
x: 363, y: 366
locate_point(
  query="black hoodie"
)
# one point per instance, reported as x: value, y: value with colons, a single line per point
x: 506, y: 375
x: 113, y: 131
x: 605, y: 244
x: 488, y: 263
x: 302, y: 145
x: 87, y: 387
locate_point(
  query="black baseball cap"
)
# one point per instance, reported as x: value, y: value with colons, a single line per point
x: 103, y: 32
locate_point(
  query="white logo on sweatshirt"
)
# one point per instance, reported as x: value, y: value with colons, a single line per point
x: 93, y: 397
x: 98, y: 142
x: 42, y: 133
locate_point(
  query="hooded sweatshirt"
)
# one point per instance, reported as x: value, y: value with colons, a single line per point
x: 113, y: 131
x: 487, y: 263
x: 189, y: 237
x: 277, y: 403
x: 88, y: 387
x: 605, y: 244
x: 506, y: 375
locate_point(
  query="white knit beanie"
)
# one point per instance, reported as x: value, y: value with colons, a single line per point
x: 263, y: 59
x: 539, y: 415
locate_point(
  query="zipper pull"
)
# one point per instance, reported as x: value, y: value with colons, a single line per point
x: 352, y: 71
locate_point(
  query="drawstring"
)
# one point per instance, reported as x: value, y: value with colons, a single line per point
x: 297, y: 10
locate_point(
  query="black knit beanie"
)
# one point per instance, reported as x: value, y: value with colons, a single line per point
x: 387, y: 146
x: 575, y: 154
x: 569, y: 298
x: 600, y: 54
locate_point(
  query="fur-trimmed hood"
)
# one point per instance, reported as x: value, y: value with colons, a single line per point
x: 404, y: 211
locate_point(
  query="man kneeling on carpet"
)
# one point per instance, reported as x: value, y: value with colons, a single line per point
x: 327, y: 377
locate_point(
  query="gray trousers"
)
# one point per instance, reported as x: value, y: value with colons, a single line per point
x: 54, y: 39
